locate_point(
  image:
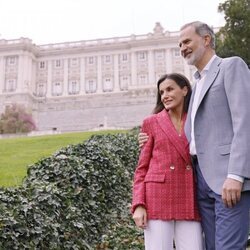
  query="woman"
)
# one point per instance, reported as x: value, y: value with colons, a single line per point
x: 164, y: 202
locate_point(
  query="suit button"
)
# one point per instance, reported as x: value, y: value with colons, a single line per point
x: 188, y: 167
x: 172, y: 167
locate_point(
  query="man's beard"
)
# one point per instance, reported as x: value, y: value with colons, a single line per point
x: 195, y: 56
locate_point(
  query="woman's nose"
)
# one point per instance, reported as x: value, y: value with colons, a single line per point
x: 165, y: 95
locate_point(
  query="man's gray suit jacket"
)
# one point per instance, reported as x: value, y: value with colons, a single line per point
x: 222, y: 123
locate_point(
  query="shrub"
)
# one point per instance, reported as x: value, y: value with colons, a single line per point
x: 16, y: 119
x: 76, y: 199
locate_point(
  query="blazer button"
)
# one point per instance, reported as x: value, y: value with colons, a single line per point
x: 172, y: 167
x: 188, y: 167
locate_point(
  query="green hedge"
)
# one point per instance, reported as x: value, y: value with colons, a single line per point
x: 76, y: 199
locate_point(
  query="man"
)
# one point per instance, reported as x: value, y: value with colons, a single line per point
x: 218, y: 130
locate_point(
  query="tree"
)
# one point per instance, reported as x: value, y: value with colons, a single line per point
x: 234, y: 38
x: 16, y: 119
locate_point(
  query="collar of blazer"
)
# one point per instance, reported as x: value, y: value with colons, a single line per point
x: 180, y: 143
x: 210, y: 77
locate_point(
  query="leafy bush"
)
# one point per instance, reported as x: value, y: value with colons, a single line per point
x: 16, y: 119
x: 76, y: 199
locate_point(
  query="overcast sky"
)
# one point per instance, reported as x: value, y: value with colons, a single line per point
x: 51, y: 21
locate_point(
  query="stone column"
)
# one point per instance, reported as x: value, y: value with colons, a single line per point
x: 99, y: 75
x: 34, y: 75
x: 49, y: 79
x: 151, y: 67
x: 82, y: 76
x: 116, y: 74
x: 65, y: 77
x: 169, y: 61
x: 2, y: 74
x: 133, y: 69
x: 20, y: 73
x: 27, y: 74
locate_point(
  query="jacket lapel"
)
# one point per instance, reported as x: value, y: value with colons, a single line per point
x: 168, y: 128
x: 211, y: 75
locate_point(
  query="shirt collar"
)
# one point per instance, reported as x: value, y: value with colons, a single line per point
x: 198, y: 75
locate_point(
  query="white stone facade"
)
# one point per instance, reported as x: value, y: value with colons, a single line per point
x: 82, y: 85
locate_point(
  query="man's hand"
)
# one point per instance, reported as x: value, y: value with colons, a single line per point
x: 142, y: 138
x: 140, y: 217
x: 231, y: 192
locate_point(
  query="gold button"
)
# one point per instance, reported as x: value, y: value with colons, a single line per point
x: 188, y: 167
x: 172, y: 167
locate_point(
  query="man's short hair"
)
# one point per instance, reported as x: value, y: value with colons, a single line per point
x: 202, y: 29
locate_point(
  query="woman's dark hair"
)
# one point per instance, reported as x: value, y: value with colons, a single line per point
x: 181, y: 81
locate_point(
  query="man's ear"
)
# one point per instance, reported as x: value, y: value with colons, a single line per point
x: 207, y: 39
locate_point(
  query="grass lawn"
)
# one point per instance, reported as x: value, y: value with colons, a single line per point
x: 16, y: 154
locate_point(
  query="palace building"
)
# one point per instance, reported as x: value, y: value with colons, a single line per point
x: 82, y: 85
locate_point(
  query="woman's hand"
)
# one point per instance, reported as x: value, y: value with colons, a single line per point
x: 140, y: 217
x: 142, y: 138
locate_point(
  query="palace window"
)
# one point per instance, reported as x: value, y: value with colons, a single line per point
x: 124, y: 57
x: 142, y: 56
x: 107, y: 84
x: 42, y: 65
x: 74, y: 87
x: 41, y: 90
x: 74, y: 62
x: 11, y: 60
x: 124, y: 82
x: 58, y: 63
x: 57, y: 89
x: 107, y: 59
x: 91, y: 60
x: 10, y: 85
x: 90, y: 86
x: 142, y: 79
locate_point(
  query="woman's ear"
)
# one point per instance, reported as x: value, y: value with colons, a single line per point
x: 185, y: 90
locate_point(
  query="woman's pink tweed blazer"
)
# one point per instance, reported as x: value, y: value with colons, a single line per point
x: 164, y: 178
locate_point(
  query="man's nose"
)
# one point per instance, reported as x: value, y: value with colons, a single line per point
x: 183, y: 47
